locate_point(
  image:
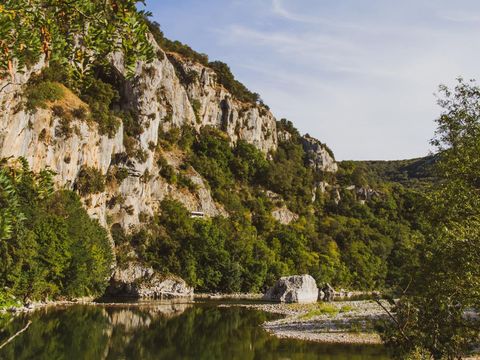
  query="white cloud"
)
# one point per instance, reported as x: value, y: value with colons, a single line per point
x: 279, y: 8
x: 360, y: 77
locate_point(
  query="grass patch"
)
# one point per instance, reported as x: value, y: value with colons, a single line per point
x: 321, y: 309
x: 346, y: 308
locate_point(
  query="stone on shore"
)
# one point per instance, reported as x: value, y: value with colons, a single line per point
x: 293, y: 289
x: 329, y: 292
x: 143, y: 282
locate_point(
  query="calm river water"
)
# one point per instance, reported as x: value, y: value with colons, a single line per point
x: 161, y: 331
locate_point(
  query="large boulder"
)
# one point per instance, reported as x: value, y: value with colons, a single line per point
x: 143, y: 282
x: 296, y: 288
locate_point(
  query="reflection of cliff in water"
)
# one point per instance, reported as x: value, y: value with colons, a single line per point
x: 142, y: 315
x: 129, y: 321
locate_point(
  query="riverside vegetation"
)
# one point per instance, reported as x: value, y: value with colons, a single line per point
x: 415, y: 236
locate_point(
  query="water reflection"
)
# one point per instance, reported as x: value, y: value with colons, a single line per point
x: 162, y: 331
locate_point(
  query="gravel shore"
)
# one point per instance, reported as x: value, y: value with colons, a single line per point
x: 346, y: 322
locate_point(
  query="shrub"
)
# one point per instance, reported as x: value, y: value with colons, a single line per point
x: 131, y: 123
x: 121, y: 174
x: 89, y: 181
x: 185, y: 182
x: 99, y: 96
x: 39, y: 94
x: 196, y: 105
x: 141, y: 155
x: 80, y: 113
x: 63, y: 129
x: 167, y: 171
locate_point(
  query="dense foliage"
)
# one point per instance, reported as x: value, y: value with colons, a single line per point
x: 413, y: 173
x: 49, y: 246
x: 345, y: 242
x: 53, y: 28
x: 432, y: 315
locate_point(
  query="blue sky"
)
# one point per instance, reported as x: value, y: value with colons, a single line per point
x: 359, y: 75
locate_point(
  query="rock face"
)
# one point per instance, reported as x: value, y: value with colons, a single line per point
x: 142, y: 282
x: 284, y: 215
x: 293, y: 289
x: 328, y: 292
x: 318, y: 156
x: 162, y: 100
x: 214, y: 105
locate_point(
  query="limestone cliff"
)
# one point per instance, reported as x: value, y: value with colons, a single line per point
x: 161, y: 100
x: 169, y: 92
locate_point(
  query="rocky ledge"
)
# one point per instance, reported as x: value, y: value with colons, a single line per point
x: 142, y: 282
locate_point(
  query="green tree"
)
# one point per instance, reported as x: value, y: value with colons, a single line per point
x: 432, y: 315
x: 51, y: 247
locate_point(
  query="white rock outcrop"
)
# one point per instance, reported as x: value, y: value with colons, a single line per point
x: 143, y: 282
x: 319, y: 157
x: 284, y: 215
x: 293, y: 289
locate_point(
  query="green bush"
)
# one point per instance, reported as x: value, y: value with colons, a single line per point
x: 89, y: 181
x: 185, y: 182
x: 131, y: 123
x: 196, y: 105
x: 167, y: 171
x: 99, y: 97
x: 39, y: 94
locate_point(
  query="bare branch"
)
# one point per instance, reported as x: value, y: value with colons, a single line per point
x: 392, y: 318
x: 16, y: 334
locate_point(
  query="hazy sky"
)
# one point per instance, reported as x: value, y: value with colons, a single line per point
x: 359, y: 75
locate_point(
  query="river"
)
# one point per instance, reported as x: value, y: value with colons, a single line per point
x: 161, y: 330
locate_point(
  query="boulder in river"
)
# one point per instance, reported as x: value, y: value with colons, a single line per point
x: 296, y: 288
x: 143, y: 282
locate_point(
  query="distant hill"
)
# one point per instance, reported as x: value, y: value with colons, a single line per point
x: 412, y: 172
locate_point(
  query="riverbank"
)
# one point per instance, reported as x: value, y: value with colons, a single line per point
x: 346, y: 322
x: 35, y: 305
x: 342, y: 322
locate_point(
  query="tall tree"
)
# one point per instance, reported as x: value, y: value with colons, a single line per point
x: 435, y: 314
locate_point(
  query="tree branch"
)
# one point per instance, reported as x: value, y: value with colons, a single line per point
x: 392, y: 318
x: 4, y: 86
x: 18, y: 333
